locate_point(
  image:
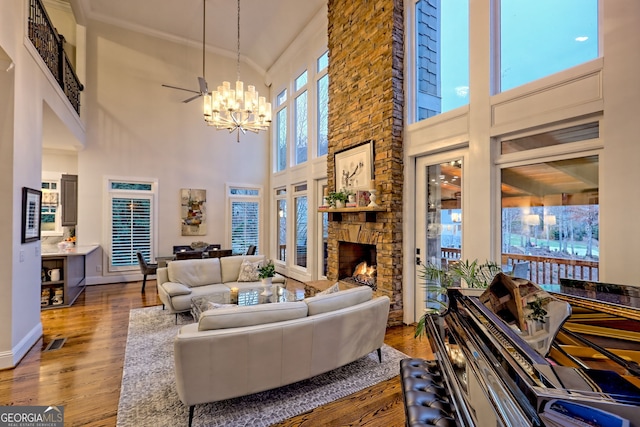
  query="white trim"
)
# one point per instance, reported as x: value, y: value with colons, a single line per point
x: 151, y: 194
x: 9, y: 359
x: 259, y: 199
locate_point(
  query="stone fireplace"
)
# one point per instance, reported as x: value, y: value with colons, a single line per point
x: 366, y: 102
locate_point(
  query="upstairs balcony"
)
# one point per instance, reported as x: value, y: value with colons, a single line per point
x: 50, y: 46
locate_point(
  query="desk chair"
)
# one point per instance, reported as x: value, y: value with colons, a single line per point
x: 145, y: 269
x: 188, y: 255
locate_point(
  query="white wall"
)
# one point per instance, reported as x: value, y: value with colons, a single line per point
x: 137, y: 128
x: 26, y: 88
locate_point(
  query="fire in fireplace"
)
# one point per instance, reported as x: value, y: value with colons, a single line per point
x: 357, y: 263
x: 365, y: 274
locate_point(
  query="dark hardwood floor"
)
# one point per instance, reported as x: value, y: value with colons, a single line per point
x: 84, y: 375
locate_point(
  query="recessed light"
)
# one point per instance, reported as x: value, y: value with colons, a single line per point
x: 582, y: 39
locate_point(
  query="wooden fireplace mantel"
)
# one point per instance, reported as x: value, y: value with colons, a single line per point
x: 366, y: 214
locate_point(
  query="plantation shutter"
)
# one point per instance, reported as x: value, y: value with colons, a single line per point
x: 130, y: 230
x: 245, y: 229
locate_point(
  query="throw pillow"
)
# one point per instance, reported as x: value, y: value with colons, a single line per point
x: 331, y: 289
x: 249, y: 271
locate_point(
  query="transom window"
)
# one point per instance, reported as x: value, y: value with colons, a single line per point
x: 442, y: 56
x: 544, y: 37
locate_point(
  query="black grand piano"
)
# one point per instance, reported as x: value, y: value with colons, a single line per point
x: 519, y: 354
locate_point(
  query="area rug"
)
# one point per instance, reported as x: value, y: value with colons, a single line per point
x: 148, y: 396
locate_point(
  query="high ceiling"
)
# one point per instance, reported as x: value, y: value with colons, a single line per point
x: 267, y: 27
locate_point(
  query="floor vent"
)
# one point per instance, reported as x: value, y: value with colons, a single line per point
x: 56, y: 344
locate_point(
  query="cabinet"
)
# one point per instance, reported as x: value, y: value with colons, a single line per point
x: 62, y: 292
x: 69, y: 200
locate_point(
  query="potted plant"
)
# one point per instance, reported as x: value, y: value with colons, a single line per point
x: 265, y: 273
x: 337, y: 199
x: 438, y: 279
x: 267, y: 270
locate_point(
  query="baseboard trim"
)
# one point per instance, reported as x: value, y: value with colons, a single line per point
x: 10, y: 359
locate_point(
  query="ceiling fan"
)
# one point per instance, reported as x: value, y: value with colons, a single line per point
x: 202, y: 83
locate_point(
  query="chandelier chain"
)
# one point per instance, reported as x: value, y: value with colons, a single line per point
x: 238, y: 58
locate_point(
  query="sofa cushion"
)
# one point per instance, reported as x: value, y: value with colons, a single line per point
x: 230, y: 266
x: 174, y: 289
x: 249, y: 271
x: 225, y: 318
x: 195, y: 272
x: 337, y: 300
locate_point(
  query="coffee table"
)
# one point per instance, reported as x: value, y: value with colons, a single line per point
x: 247, y: 296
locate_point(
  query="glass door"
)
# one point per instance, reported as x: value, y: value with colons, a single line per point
x: 438, y: 216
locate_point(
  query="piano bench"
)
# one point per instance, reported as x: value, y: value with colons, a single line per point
x: 425, y: 394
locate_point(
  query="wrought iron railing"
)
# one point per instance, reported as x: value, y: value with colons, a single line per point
x: 50, y: 46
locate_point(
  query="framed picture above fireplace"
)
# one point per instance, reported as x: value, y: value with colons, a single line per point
x: 354, y: 167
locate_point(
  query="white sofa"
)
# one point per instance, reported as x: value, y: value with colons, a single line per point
x: 180, y: 281
x: 224, y: 355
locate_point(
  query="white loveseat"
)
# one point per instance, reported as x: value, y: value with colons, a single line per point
x: 224, y: 355
x: 180, y: 281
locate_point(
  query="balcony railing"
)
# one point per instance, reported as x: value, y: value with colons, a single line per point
x: 541, y: 269
x: 50, y: 46
x: 550, y: 270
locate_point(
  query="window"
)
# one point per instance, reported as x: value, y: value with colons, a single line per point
x: 245, y: 218
x: 132, y: 219
x: 581, y: 132
x: 50, y: 224
x: 527, y: 53
x: 324, y: 232
x: 444, y: 212
x: 322, y: 97
x: 442, y: 57
x: 281, y: 132
x: 281, y: 221
x: 301, y: 221
x: 550, y: 217
x: 301, y: 138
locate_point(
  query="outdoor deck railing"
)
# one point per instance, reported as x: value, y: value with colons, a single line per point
x: 541, y: 269
x: 550, y: 270
x: 50, y: 46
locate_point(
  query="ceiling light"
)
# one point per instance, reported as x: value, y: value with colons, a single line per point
x: 237, y: 109
x: 582, y: 39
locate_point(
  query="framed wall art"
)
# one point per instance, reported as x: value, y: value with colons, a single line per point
x: 193, y: 212
x: 31, y: 207
x: 354, y: 167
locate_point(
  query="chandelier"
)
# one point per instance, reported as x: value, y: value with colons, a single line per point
x: 237, y: 109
